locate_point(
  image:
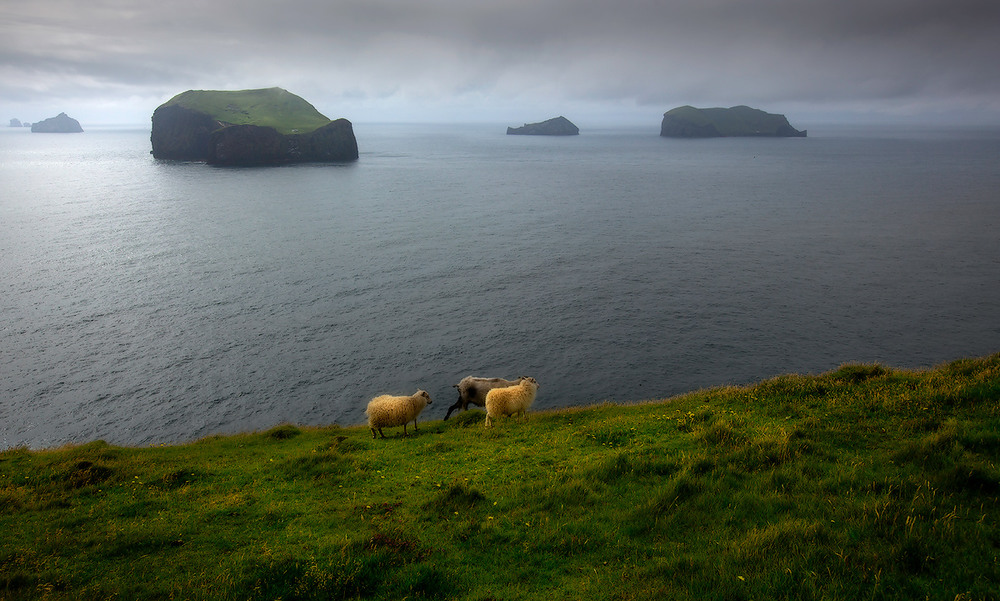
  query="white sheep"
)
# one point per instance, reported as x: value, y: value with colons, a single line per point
x: 511, y: 400
x: 472, y: 391
x: 388, y: 411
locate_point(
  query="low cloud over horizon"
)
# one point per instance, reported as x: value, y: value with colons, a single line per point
x: 453, y: 60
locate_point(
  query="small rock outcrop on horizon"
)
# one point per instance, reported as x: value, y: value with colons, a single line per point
x: 15, y: 122
x: 249, y: 127
x: 558, y: 126
x: 691, y: 122
x: 60, y: 124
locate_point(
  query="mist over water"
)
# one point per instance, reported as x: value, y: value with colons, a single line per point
x: 147, y: 302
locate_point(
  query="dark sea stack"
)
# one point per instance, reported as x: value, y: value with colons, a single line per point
x: 249, y: 127
x: 690, y: 122
x: 558, y: 126
x: 60, y: 124
x: 256, y: 145
x: 334, y: 141
x: 181, y: 134
x: 245, y: 145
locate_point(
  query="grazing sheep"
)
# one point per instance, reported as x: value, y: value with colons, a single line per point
x: 388, y: 411
x: 472, y: 391
x: 512, y: 400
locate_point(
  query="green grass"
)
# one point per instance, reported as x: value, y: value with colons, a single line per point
x: 862, y: 483
x: 269, y: 107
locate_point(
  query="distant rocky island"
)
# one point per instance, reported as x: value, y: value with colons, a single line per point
x: 558, y: 126
x: 60, y: 124
x: 690, y: 122
x: 15, y: 122
x: 248, y: 127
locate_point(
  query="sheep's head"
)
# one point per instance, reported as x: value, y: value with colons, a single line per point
x: 423, y: 393
x: 528, y: 379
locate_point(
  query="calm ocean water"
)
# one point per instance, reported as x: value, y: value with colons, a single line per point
x: 146, y: 302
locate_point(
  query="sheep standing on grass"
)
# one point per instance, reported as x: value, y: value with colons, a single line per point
x: 472, y: 391
x: 511, y: 400
x: 389, y: 411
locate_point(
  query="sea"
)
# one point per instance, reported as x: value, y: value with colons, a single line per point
x: 148, y: 302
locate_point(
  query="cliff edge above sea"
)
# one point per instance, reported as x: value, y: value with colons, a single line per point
x: 864, y: 481
x: 248, y: 127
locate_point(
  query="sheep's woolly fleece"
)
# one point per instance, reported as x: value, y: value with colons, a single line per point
x: 472, y: 391
x: 388, y: 411
x: 512, y: 400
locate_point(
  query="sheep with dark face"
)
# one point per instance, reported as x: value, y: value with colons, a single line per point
x: 472, y: 391
x: 511, y: 400
x: 389, y: 411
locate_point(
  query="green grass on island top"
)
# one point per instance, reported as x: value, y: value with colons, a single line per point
x: 862, y: 483
x: 269, y: 107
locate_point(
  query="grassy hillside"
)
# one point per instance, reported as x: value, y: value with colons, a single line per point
x: 862, y: 483
x: 271, y: 107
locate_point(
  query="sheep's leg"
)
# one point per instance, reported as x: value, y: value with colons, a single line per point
x: 489, y: 422
x: 457, y: 405
x: 373, y: 433
x: 404, y: 430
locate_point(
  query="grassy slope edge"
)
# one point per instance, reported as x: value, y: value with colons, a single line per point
x: 865, y: 482
x: 269, y: 107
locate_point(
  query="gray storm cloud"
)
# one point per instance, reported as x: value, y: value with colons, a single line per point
x: 366, y: 55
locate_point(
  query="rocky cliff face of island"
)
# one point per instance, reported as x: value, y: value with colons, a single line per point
x: 181, y: 133
x: 252, y: 144
x: 558, y: 126
x: 60, y: 124
x: 250, y: 127
x: 690, y: 122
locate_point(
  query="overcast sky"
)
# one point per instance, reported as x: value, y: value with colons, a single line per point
x: 508, y: 61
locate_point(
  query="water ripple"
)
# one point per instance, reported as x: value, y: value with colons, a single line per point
x: 148, y: 302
